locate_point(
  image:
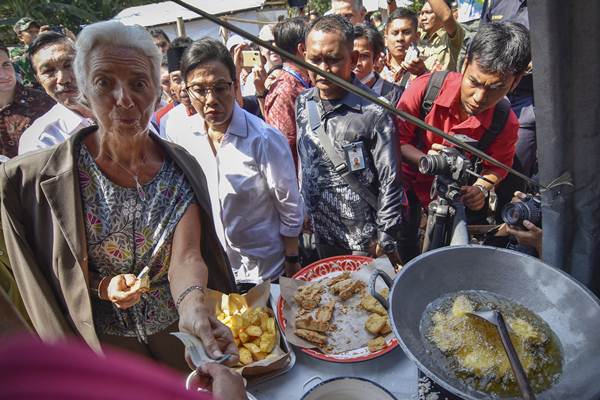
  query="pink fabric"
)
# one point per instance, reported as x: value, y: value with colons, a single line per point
x: 30, y: 369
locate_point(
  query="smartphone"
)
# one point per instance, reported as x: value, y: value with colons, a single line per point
x: 411, y: 54
x: 57, y: 29
x: 251, y: 58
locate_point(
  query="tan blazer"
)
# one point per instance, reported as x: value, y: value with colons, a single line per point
x: 42, y: 218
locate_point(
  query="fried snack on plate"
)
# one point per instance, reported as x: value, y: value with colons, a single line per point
x: 376, y: 344
x: 311, y: 336
x: 309, y: 296
x: 386, y: 328
x: 371, y: 304
x: 325, y: 313
x: 341, y: 277
x: 312, y: 324
x: 375, y: 323
x: 351, y: 289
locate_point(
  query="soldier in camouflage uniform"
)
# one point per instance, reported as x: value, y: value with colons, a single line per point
x: 26, y: 30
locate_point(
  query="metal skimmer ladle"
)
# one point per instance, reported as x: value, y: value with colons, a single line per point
x: 495, y: 318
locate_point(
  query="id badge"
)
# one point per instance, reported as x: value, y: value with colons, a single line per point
x: 354, y: 156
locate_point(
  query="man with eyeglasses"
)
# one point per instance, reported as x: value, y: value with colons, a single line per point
x: 256, y: 206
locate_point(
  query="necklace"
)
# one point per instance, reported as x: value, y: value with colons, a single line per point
x: 138, y: 186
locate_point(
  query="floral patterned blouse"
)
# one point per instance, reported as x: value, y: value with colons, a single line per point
x: 125, y: 234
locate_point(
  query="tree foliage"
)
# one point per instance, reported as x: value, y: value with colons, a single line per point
x: 319, y: 5
x: 72, y: 14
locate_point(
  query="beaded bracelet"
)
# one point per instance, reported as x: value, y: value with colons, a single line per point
x: 188, y: 291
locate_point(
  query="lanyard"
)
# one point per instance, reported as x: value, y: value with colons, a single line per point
x: 297, y: 76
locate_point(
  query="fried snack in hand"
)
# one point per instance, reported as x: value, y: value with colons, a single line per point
x: 371, y: 304
x: 311, y: 336
x: 376, y: 344
x: 375, y: 323
x: 309, y: 296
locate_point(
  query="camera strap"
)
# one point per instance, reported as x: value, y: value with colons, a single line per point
x: 501, y: 113
x: 434, y: 86
x: 339, y: 164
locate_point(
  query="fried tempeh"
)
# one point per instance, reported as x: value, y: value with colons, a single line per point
x: 341, y: 277
x: 310, y: 323
x: 311, y: 336
x: 351, y: 289
x: 325, y: 313
x: 309, y: 296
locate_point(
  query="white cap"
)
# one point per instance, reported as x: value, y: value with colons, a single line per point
x: 234, y: 40
x: 266, y: 33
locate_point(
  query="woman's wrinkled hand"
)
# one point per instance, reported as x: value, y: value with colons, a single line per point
x: 195, y: 318
x: 124, y: 291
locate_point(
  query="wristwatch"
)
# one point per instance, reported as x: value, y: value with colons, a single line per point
x: 484, y: 190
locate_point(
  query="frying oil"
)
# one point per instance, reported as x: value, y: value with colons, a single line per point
x: 472, y: 349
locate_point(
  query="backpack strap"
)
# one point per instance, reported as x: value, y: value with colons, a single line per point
x: 434, y: 86
x: 499, y: 119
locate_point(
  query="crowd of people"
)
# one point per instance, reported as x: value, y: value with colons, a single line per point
x: 131, y: 150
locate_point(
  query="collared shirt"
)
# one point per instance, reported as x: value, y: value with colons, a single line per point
x: 27, y: 106
x: 383, y: 87
x: 54, y: 127
x: 339, y: 216
x: 253, y: 191
x: 175, y: 120
x: 163, y: 111
x: 439, y: 50
x: 445, y: 115
x: 280, y: 104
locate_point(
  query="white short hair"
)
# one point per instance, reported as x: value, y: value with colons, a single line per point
x: 114, y: 34
x: 356, y: 4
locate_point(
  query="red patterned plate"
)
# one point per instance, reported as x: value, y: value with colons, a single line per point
x: 323, y: 269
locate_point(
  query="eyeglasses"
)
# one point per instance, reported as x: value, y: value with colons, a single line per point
x: 218, y: 89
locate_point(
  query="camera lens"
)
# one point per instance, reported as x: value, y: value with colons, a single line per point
x: 434, y: 164
x: 515, y: 213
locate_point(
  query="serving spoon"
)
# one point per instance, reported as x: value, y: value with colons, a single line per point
x: 495, y: 318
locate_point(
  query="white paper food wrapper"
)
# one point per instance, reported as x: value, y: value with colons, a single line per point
x: 258, y: 296
x: 348, y: 317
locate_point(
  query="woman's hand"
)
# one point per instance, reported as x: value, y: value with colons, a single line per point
x: 196, y: 318
x: 124, y: 291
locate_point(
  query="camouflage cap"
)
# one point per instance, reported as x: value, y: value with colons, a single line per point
x: 24, y: 24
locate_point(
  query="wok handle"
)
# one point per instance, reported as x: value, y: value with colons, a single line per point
x: 515, y: 363
x: 388, y: 281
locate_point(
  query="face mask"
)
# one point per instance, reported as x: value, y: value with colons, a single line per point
x: 368, y: 78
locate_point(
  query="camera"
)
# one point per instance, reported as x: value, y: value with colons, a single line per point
x: 529, y: 209
x: 450, y: 167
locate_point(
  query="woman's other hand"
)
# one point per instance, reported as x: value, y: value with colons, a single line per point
x: 124, y: 291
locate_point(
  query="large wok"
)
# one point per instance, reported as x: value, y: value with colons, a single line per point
x: 571, y: 310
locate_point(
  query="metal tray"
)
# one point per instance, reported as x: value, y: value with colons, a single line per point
x: 291, y: 357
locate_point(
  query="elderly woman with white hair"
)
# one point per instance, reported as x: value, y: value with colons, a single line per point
x: 83, y: 219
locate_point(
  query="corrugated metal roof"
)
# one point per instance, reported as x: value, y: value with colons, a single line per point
x: 167, y: 12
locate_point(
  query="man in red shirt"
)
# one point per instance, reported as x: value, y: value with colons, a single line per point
x: 497, y: 59
x: 280, y: 103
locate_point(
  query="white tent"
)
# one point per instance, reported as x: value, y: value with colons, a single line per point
x: 249, y: 15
